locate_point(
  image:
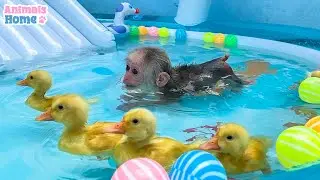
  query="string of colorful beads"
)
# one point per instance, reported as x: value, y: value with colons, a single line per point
x: 219, y: 38
x: 163, y: 32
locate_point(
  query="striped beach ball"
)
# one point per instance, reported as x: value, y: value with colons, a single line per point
x: 314, y: 123
x: 297, y: 146
x: 309, y: 90
x: 140, y: 169
x: 197, y: 165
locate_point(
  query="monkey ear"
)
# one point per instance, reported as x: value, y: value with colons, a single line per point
x: 162, y: 79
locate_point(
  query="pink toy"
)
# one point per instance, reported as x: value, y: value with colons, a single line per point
x: 140, y: 169
x: 153, y: 31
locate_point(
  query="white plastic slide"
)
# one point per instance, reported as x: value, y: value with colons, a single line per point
x: 188, y: 15
x: 67, y: 25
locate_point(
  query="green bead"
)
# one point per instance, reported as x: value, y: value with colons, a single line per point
x: 164, y: 32
x: 208, y: 37
x: 231, y: 41
x: 134, y: 31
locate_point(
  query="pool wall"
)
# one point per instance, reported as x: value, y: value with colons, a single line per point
x: 285, y: 12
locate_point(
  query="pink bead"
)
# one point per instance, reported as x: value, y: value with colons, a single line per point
x: 153, y: 31
x: 140, y: 169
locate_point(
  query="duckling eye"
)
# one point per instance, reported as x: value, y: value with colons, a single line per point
x: 60, y: 107
x: 31, y: 77
x: 229, y: 137
x: 135, y: 121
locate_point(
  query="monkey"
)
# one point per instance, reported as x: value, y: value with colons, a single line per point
x: 150, y: 69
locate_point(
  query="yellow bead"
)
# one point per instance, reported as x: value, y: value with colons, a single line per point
x: 218, y: 38
x: 143, y: 30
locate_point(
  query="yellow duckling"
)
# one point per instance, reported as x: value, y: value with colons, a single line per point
x: 139, y: 126
x: 238, y: 152
x: 41, y: 82
x: 77, y: 137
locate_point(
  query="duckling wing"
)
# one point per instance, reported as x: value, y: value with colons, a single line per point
x: 255, y: 156
x: 102, y: 142
x: 98, y: 127
x: 97, y: 139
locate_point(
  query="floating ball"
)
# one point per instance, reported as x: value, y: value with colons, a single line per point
x: 315, y: 74
x: 309, y: 90
x: 231, y: 40
x: 218, y: 38
x: 197, y: 165
x: 297, y: 146
x: 164, y: 32
x: 208, y: 37
x: 314, y: 123
x: 143, y: 30
x: 153, y: 31
x: 181, y: 35
x: 134, y: 31
x: 140, y: 169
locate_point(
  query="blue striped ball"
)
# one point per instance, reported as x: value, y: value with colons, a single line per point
x: 197, y: 165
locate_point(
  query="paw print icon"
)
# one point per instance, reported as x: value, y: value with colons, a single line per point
x: 42, y: 20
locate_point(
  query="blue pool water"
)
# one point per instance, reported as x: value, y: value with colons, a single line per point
x: 28, y: 149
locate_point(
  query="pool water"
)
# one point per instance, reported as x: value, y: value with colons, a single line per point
x: 28, y: 149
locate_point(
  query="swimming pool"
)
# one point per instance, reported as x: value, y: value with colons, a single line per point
x: 30, y: 147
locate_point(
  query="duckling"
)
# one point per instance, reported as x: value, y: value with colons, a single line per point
x: 41, y: 82
x: 140, y: 140
x: 78, y: 138
x: 237, y: 151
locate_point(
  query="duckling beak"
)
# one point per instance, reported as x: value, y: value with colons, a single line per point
x: 46, y: 116
x: 117, y: 128
x: 22, y: 83
x: 211, y: 145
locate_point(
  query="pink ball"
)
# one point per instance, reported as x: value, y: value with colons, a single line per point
x: 140, y: 169
x: 153, y: 31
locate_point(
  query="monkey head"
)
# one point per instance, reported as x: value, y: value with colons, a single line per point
x: 147, y: 66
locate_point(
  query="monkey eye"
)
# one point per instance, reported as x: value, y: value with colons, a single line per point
x: 127, y: 68
x: 134, y: 71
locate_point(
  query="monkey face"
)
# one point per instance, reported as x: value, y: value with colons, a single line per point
x: 134, y: 71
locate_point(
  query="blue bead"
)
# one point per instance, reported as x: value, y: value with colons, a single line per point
x: 181, y: 35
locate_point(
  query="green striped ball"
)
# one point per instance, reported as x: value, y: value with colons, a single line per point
x: 309, y: 90
x: 297, y: 146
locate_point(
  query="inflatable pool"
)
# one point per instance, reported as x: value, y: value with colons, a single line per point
x: 84, y: 44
